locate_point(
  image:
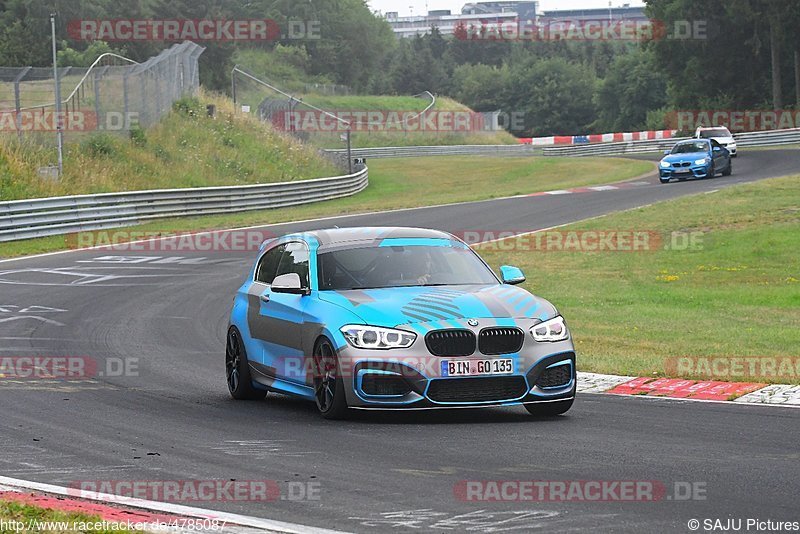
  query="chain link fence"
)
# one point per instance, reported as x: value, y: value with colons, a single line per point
x: 265, y: 100
x: 115, y: 94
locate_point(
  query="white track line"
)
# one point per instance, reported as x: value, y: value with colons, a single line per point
x: 168, y: 508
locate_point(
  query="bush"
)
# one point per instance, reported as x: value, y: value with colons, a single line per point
x: 189, y: 106
x: 99, y: 144
x: 138, y: 136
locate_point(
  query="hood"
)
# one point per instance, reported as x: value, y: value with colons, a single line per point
x: 688, y: 156
x: 723, y: 139
x: 396, y: 306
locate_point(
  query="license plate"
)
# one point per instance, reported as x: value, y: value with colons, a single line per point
x: 503, y: 366
x: 683, y: 171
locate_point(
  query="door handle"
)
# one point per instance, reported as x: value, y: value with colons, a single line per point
x: 264, y: 298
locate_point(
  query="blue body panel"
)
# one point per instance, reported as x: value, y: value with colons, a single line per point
x: 280, y: 333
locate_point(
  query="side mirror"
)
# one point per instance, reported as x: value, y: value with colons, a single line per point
x: 667, y: 152
x: 511, y: 275
x: 717, y: 149
x: 288, y: 283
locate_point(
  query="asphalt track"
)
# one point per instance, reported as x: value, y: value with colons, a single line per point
x: 379, y: 472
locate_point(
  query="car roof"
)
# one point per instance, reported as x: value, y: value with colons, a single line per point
x: 337, y: 236
x: 693, y: 141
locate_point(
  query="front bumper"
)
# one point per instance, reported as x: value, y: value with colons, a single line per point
x: 542, y: 372
x: 691, y: 171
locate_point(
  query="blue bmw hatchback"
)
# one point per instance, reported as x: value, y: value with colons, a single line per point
x: 696, y: 158
x: 394, y: 318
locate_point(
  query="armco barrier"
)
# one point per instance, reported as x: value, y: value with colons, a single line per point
x: 743, y: 140
x: 613, y: 149
x: 453, y: 150
x: 23, y: 219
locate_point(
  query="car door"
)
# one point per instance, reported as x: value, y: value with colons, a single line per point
x: 278, y: 323
x: 718, y: 155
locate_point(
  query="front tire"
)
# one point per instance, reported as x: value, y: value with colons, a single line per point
x: 328, y: 383
x: 712, y: 171
x: 729, y: 170
x: 237, y: 369
x: 549, y: 409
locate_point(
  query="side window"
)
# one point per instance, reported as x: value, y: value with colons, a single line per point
x: 295, y: 260
x: 268, y: 265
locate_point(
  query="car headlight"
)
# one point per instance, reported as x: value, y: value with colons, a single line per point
x: 701, y: 161
x: 665, y: 164
x: 376, y: 337
x: 553, y: 330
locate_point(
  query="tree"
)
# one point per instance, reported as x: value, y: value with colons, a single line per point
x: 481, y: 87
x: 633, y: 86
x: 554, y: 95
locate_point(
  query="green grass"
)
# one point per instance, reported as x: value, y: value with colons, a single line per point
x: 738, y: 294
x: 398, y: 183
x: 35, y: 516
x: 186, y: 149
x: 393, y: 134
x: 383, y: 103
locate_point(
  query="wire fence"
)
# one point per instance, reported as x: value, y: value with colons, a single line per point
x: 327, y: 120
x: 113, y: 95
x: 268, y: 102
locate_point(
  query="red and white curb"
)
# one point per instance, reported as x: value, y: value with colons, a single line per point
x: 120, y: 509
x: 616, y: 137
x: 699, y: 390
x: 589, y: 189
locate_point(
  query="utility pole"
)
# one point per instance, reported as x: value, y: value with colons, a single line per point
x: 59, y: 124
x: 349, y: 152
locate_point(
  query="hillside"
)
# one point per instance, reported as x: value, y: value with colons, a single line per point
x: 186, y: 149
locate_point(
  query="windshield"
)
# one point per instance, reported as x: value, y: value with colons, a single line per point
x: 401, y: 266
x: 715, y: 132
x: 688, y: 148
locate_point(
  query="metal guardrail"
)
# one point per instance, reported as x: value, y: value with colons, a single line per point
x: 453, y: 150
x: 748, y: 139
x: 613, y: 149
x: 769, y: 138
x: 24, y: 219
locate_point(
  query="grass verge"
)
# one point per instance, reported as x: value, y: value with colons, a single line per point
x: 736, y: 293
x: 406, y: 183
x: 48, y: 520
x: 395, y: 133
